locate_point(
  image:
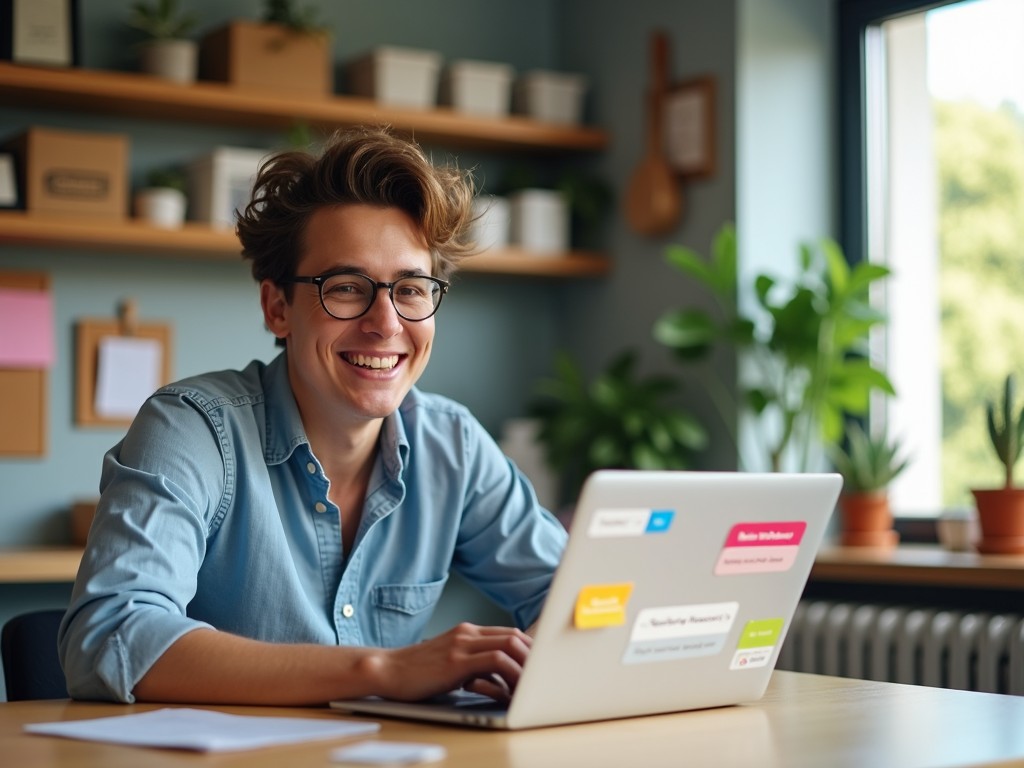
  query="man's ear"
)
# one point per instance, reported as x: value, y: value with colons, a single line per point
x: 275, y: 308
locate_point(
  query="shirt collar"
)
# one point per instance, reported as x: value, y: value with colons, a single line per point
x: 283, y: 423
x: 285, y: 432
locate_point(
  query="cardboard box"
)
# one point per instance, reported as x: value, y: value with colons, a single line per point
x: 478, y: 87
x: 400, y: 77
x: 221, y: 182
x: 553, y: 97
x: 268, y: 56
x: 73, y: 173
x: 82, y: 514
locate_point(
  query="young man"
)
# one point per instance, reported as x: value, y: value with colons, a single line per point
x: 281, y: 534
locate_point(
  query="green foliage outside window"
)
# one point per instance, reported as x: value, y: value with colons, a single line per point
x: 980, y: 157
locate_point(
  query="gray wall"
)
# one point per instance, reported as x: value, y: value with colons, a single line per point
x: 496, y: 335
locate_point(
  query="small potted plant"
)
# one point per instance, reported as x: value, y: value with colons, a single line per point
x: 868, y: 463
x: 167, y: 52
x: 618, y: 420
x: 162, y: 201
x: 1001, y: 510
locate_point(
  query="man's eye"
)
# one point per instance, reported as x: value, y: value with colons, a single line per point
x: 345, y: 288
x: 412, y: 291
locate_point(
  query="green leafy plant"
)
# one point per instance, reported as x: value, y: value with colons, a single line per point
x: 170, y: 176
x: 868, y: 462
x: 162, y: 19
x: 806, y: 341
x: 302, y: 20
x: 1006, y: 432
x: 618, y: 420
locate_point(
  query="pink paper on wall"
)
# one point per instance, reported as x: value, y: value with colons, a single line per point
x: 26, y: 329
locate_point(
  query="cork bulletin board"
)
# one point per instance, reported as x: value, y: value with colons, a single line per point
x: 23, y: 390
x: 90, y: 336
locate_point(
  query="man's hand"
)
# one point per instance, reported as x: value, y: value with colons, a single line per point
x: 485, y: 660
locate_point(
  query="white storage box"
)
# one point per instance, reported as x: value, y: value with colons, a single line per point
x: 540, y: 221
x: 220, y: 183
x: 401, y: 77
x: 553, y: 97
x: 478, y: 87
x: 491, y: 222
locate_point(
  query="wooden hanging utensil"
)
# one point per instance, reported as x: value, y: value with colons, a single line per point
x: 654, y: 201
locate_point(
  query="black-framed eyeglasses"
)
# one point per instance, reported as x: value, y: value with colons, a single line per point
x: 348, y: 295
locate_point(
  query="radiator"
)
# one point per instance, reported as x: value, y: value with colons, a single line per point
x: 967, y: 650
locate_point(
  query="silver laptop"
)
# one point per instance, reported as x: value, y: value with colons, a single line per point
x: 675, y: 592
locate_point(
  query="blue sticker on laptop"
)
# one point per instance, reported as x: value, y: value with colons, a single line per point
x: 613, y: 523
x: 660, y: 520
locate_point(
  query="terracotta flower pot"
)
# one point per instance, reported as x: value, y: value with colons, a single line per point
x: 865, y: 520
x: 1001, y: 517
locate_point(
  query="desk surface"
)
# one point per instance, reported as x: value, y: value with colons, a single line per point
x: 803, y: 720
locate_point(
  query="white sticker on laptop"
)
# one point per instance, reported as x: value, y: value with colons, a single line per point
x: 679, y: 632
x: 760, y: 547
x: 614, y: 523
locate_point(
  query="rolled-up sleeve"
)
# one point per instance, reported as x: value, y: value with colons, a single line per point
x: 509, y: 545
x: 160, y: 489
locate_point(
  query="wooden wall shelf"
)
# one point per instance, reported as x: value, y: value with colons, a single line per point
x: 136, y: 95
x: 920, y: 566
x: 199, y: 241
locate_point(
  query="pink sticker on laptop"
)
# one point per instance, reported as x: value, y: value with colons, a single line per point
x: 760, y: 547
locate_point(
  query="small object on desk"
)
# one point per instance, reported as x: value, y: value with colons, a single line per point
x: 389, y: 753
x: 202, y: 730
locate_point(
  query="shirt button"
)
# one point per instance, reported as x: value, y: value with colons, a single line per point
x: 320, y: 507
x: 311, y: 467
x: 348, y: 611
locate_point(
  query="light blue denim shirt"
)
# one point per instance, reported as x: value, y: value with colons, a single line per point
x: 214, y: 512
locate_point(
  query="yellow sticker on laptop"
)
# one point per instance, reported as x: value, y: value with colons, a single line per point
x: 602, y: 605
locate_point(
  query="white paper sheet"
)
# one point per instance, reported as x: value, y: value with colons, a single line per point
x: 128, y: 371
x: 202, y: 730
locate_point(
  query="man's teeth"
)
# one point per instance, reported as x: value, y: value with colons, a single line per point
x: 370, y: 361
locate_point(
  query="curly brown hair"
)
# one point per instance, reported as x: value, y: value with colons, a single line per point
x: 367, y: 166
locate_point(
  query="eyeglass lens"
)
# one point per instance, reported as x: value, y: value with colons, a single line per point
x: 349, y: 295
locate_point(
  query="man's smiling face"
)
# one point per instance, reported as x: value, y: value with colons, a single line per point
x: 360, y: 369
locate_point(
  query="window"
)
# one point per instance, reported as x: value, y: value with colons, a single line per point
x: 933, y: 183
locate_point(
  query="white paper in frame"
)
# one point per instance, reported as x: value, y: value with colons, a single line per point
x: 690, y: 127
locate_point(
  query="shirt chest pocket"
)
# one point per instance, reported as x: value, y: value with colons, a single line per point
x: 403, y: 610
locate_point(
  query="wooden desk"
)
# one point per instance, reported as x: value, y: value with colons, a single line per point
x: 804, y: 720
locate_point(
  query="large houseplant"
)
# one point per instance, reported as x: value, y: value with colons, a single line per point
x: 807, y: 342
x: 868, y: 462
x: 1001, y: 510
x: 618, y: 420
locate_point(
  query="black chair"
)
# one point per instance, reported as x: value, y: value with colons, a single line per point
x: 28, y: 645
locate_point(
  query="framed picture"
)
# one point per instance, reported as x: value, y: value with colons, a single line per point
x: 8, y: 181
x: 690, y: 127
x: 39, y: 32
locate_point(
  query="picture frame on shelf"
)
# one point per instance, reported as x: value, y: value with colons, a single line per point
x: 9, y: 197
x: 690, y: 127
x: 39, y: 32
